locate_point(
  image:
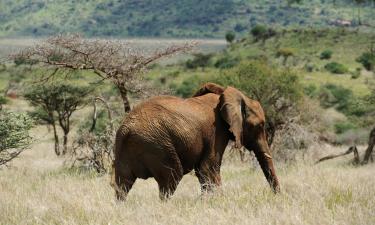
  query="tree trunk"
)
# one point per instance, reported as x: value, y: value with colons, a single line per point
x: 65, y: 150
x: 57, y: 149
x: 125, y: 99
x: 370, y: 147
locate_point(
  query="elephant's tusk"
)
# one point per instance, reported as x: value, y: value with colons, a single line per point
x: 268, y: 156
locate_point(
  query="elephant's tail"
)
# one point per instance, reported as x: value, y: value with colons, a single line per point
x: 121, y: 136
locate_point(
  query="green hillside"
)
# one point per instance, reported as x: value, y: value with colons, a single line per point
x: 170, y: 18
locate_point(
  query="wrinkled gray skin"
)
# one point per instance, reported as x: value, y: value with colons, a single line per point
x: 166, y: 137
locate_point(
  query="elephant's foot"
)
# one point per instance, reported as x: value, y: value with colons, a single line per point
x: 122, y: 184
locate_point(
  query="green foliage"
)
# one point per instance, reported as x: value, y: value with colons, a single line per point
x: 3, y: 100
x: 188, y: 87
x: 285, y: 52
x: 101, y: 124
x: 356, y: 73
x: 326, y: 54
x: 278, y: 91
x: 336, y: 68
x: 261, y: 32
x: 57, y: 102
x: 230, y: 36
x: 14, y: 135
x: 24, y: 61
x: 367, y: 59
x: 226, y: 61
x: 14, y: 130
x: 332, y: 95
x: 200, y: 60
x: 343, y: 127
x: 164, y: 18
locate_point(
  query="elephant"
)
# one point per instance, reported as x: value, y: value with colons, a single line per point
x: 166, y: 137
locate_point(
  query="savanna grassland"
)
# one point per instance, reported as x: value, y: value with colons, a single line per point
x: 39, y: 187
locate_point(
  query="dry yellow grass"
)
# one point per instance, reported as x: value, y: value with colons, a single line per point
x: 39, y: 189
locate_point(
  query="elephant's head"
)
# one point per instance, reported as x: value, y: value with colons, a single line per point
x: 246, y: 121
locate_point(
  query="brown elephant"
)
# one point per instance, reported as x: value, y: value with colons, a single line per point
x: 166, y: 137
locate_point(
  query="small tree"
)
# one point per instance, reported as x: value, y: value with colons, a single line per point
x: 263, y: 33
x: 14, y: 135
x: 56, y: 103
x: 278, y: 91
x: 230, y: 36
x: 111, y: 60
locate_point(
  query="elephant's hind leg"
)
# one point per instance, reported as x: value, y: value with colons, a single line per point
x: 168, y: 183
x: 124, y: 181
x: 168, y: 174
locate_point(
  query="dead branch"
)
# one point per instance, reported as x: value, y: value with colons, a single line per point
x: 350, y: 150
x: 95, y: 113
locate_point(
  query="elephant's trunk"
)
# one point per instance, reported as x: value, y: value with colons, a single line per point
x: 263, y: 154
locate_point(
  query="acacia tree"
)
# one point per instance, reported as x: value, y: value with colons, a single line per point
x: 58, y: 102
x: 111, y: 60
x: 14, y: 135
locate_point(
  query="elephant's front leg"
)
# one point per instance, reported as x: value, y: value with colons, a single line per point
x: 208, y: 173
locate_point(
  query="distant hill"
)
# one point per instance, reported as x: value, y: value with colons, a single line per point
x: 169, y: 18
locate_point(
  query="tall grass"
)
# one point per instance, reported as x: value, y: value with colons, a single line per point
x: 39, y: 189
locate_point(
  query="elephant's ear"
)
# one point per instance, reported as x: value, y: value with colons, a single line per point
x: 209, y: 88
x: 231, y: 102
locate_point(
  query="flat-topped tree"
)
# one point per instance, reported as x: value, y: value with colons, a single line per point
x: 112, y: 60
x: 58, y: 102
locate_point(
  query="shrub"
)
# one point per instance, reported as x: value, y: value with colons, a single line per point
x: 200, y: 60
x: 226, y: 62
x: 261, y: 32
x: 277, y: 90
x: 342, y: 127
x: 258, y: 31
x: 326, y: 54
x: 285, y: 53
x: 188, y: 86
x: 229, y: 36
x: 367, y: 59
x: 14, y: 135
x: 356, y: 73
x: 336, y: 68
x: 332, y: 95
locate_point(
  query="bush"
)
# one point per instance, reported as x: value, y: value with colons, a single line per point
x: 261, y: 32
x: 336, y: 68
x: 188, y: 87
x: 226, y: 62
x: 229, y: 36
x: 3, y: 101
x: 343, y: 127
x: 356, y: 73
x: 200, y: 60
x: 285, y: 53
x: 14, y: 135
x: 367, y: 59
x: 332, y: 95
x: 326, y: 54
x: 279, y: 91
